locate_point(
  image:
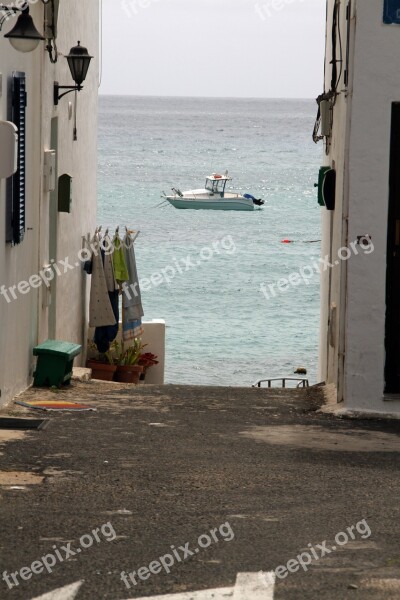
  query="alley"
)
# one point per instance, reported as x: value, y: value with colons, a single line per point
x: 177, y: 489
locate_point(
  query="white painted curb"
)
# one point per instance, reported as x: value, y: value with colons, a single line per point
x: 248, y: 586
x: 68, y: 592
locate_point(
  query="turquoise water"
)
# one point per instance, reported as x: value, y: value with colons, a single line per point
x: 221, y: 329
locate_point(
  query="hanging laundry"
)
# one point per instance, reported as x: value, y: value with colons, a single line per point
x: 103, y: 336
x: 120, y: 268
x: 100, y: 309
x: 107, y: 252
x: 87, y: 266
x: 132, y: 330
x: 132, y: 301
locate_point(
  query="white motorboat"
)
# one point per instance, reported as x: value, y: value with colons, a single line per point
x: 213, y: 196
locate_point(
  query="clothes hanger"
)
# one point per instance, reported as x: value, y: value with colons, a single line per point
x: 129, y: 233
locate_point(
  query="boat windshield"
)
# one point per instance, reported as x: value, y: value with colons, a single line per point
x: 217, y: 186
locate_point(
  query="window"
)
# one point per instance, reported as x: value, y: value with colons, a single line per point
x: 16, y: 183
x: 219, y: 186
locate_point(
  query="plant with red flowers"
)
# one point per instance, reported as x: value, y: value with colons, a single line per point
x: 147, y: 360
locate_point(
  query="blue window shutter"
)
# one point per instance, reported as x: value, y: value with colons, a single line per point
x: 16, y: 187
x: 391, y: 11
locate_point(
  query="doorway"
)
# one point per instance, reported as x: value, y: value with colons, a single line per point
x: 392, y: 326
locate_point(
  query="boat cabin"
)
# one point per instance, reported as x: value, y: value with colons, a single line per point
x: 216, y: 183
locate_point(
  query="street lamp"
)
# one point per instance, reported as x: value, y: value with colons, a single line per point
x: 78, y: 62
x: 24, y: 36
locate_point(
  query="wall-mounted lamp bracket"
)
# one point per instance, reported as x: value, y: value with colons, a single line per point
x: 78, y: 62
x: 69, y: 88
x: 50, y: 29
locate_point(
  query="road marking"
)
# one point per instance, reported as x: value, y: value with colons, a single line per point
x: 216, y: 594
x: 68, y: 592
x: 248, y: 586
x: 251, y: 586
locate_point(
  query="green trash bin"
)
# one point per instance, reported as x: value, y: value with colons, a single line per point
x: 55, y: 363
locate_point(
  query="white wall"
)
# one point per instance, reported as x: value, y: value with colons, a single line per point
x: 23, y: 322
x: 334, y: 229
x: 154, y: 337
x: 356, y: 362
x: 376, y: 86
x: 18, y: 320
x: 77, y: 21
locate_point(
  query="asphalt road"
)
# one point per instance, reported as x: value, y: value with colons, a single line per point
x: 204, y: 483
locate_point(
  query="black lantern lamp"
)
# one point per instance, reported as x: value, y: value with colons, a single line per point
x: 24, y: 36
x: 78, y: 62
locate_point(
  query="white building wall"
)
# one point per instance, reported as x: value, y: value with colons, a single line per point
x: 362, y: 157
x: 376, y: 86
x: 78, y: 20
x: 334, y: 223
x: 24, y: 322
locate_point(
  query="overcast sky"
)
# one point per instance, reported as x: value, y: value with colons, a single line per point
x: 235, y: 48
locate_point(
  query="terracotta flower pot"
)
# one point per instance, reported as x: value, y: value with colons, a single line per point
x: 128, y: 373
x: 103, y: 371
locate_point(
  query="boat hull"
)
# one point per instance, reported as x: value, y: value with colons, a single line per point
x: 227, y: 204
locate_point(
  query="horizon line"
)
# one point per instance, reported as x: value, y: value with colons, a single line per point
x: 207, y: 97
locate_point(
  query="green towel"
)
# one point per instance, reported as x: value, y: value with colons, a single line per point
x: 120, y: 268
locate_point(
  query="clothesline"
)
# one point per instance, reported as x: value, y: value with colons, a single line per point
x: 129, y: 232
x: 114, y: 274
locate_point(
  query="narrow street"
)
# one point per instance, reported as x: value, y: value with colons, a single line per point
x: 185, y: 487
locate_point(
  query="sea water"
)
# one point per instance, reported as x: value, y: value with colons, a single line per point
x: 221, y: 327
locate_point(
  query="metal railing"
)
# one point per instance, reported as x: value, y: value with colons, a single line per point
x: 301, y: 382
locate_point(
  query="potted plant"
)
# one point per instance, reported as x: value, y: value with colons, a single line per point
x: 128, y: 368
x: 103, y: 367
x: 147, y: 360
